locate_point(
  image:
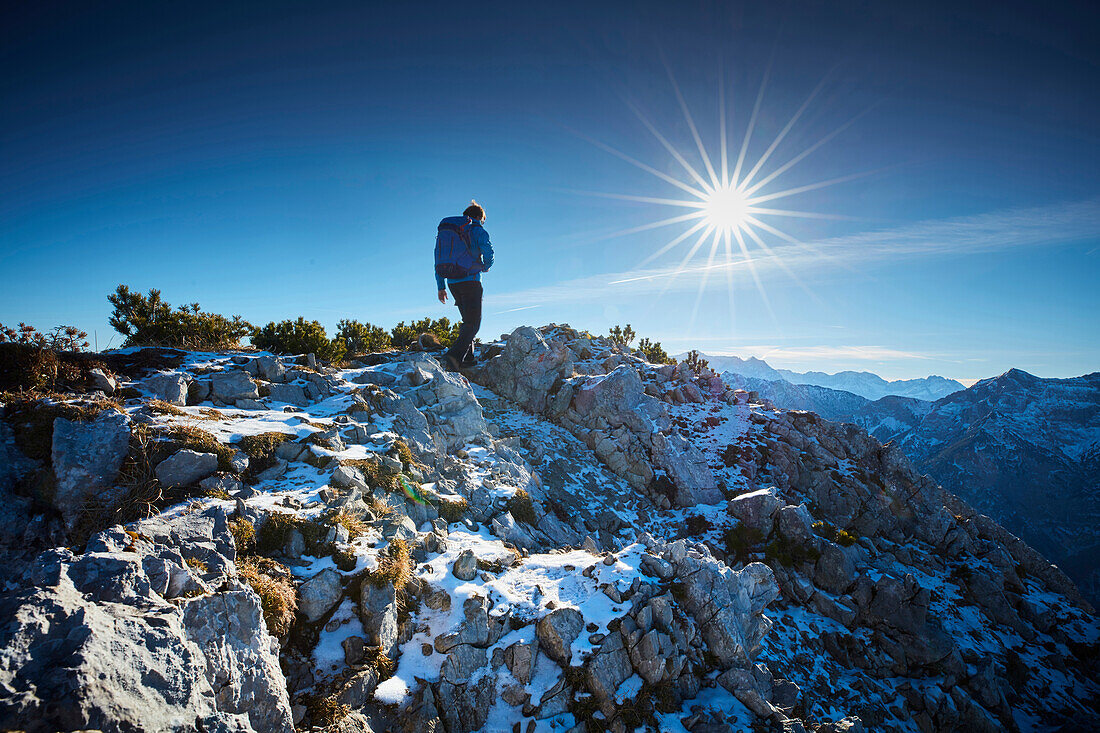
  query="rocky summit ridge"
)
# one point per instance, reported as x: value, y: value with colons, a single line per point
x: 567, y: 538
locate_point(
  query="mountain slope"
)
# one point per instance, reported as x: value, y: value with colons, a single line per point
x: 1023, y: 449
x: 576, y: 540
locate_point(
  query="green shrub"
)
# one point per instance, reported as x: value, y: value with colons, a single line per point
x: 403, y: 336
x: 362, y: 338
x: 146, y: 320
x: 522, y: 507
x: 653, y: 352
x: 696, y: 363
x: 788, y: 553
x: 741, y: 541
x: 621, y: 336
x: 299, y: 337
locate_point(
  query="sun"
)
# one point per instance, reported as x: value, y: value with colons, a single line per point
x: 725, y: 209
x: 730, y: 215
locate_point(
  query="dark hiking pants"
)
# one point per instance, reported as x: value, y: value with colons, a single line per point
x: 467, y: 297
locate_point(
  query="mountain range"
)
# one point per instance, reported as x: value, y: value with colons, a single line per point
x: 1023, y: 449
x: 865, y: 384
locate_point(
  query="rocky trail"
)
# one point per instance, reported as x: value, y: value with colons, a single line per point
x: 570, y: 539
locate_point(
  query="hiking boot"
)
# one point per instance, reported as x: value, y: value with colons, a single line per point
x: 468, y: 363
x: 451, y: 364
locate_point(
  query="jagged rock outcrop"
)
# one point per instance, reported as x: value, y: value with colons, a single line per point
x: 612, y: 413
x: 93, y: 641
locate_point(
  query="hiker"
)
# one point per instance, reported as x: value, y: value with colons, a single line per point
x: 462, y: 253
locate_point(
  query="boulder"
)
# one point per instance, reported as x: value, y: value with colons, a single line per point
x: 291, y: 394
x: 104, y: 381
x: 270, y: 368
x: 221, y: 482
x: 230, y: 386
x: 465, y: 565
x: 795, y: 524
x: 319, y: 594
x: 835, y: 570
x: 171, y: 388
x: 91, y: 643
x: 727, y: 605
x: 378, y: 613
x: 756, y: 509
x: 527, y: 368
x: 186, y: 467
x: 556, y: 632
x: 86, y: 460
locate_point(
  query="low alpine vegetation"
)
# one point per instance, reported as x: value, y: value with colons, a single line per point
x: 299, y: 337
x: 147, y: 320
x: 404, y: 336
x: 363, y: 338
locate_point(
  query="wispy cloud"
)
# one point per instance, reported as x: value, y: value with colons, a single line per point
x: 801, y: 353
x: 984, y: 233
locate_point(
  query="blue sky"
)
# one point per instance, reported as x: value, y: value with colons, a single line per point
x: 279, y: 159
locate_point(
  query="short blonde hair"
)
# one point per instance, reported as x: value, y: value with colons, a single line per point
x: 474, y: 211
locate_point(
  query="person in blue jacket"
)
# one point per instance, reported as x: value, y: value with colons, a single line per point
x: 467, y: 290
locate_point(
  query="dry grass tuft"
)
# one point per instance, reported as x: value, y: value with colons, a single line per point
x: 396, y: 567
x: 278, y: 597
x: 353, y: 524
x: 161, y: 407
x: 375, y: 474
x: 452, y: 511
x: 244, y: 535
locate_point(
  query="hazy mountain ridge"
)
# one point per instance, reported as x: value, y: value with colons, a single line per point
x: 865, y: 384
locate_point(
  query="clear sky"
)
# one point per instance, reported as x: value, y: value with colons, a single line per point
x: 284, y: 158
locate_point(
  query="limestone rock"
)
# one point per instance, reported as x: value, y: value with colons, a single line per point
x: 172, y: 388
x: 378, y: 613
x: 556, y: 632
x: 465, y: 565
x: 186, y: 467
x: 86, y: 459
x: 319, y: 594
x: 230, y: 386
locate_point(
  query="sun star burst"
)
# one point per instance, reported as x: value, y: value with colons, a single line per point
x: 725, y: 201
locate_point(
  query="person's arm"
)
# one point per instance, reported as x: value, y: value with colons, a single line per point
x: 441, y: 286
x: 485, y: 247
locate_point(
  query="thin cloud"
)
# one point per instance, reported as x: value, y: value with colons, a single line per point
x: 984, y: 233
x: 856, y: 353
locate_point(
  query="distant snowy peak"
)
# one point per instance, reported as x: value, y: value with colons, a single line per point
x: 864, y: 384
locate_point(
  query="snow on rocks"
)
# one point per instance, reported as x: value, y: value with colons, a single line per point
x: 474, y: 557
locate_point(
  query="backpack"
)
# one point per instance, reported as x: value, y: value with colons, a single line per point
x: 453, y: 256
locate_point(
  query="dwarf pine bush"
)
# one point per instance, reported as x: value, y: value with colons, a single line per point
x: 362, y: 338
x: 299, y: 337
x: 653, y: 352
x: 147, y: 320
x: 403, y: 336
x: 621, y: 336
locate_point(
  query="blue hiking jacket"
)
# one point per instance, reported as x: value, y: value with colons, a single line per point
x: 479, y: 245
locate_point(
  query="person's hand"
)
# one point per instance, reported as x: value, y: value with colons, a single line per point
x: 443, y: 296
